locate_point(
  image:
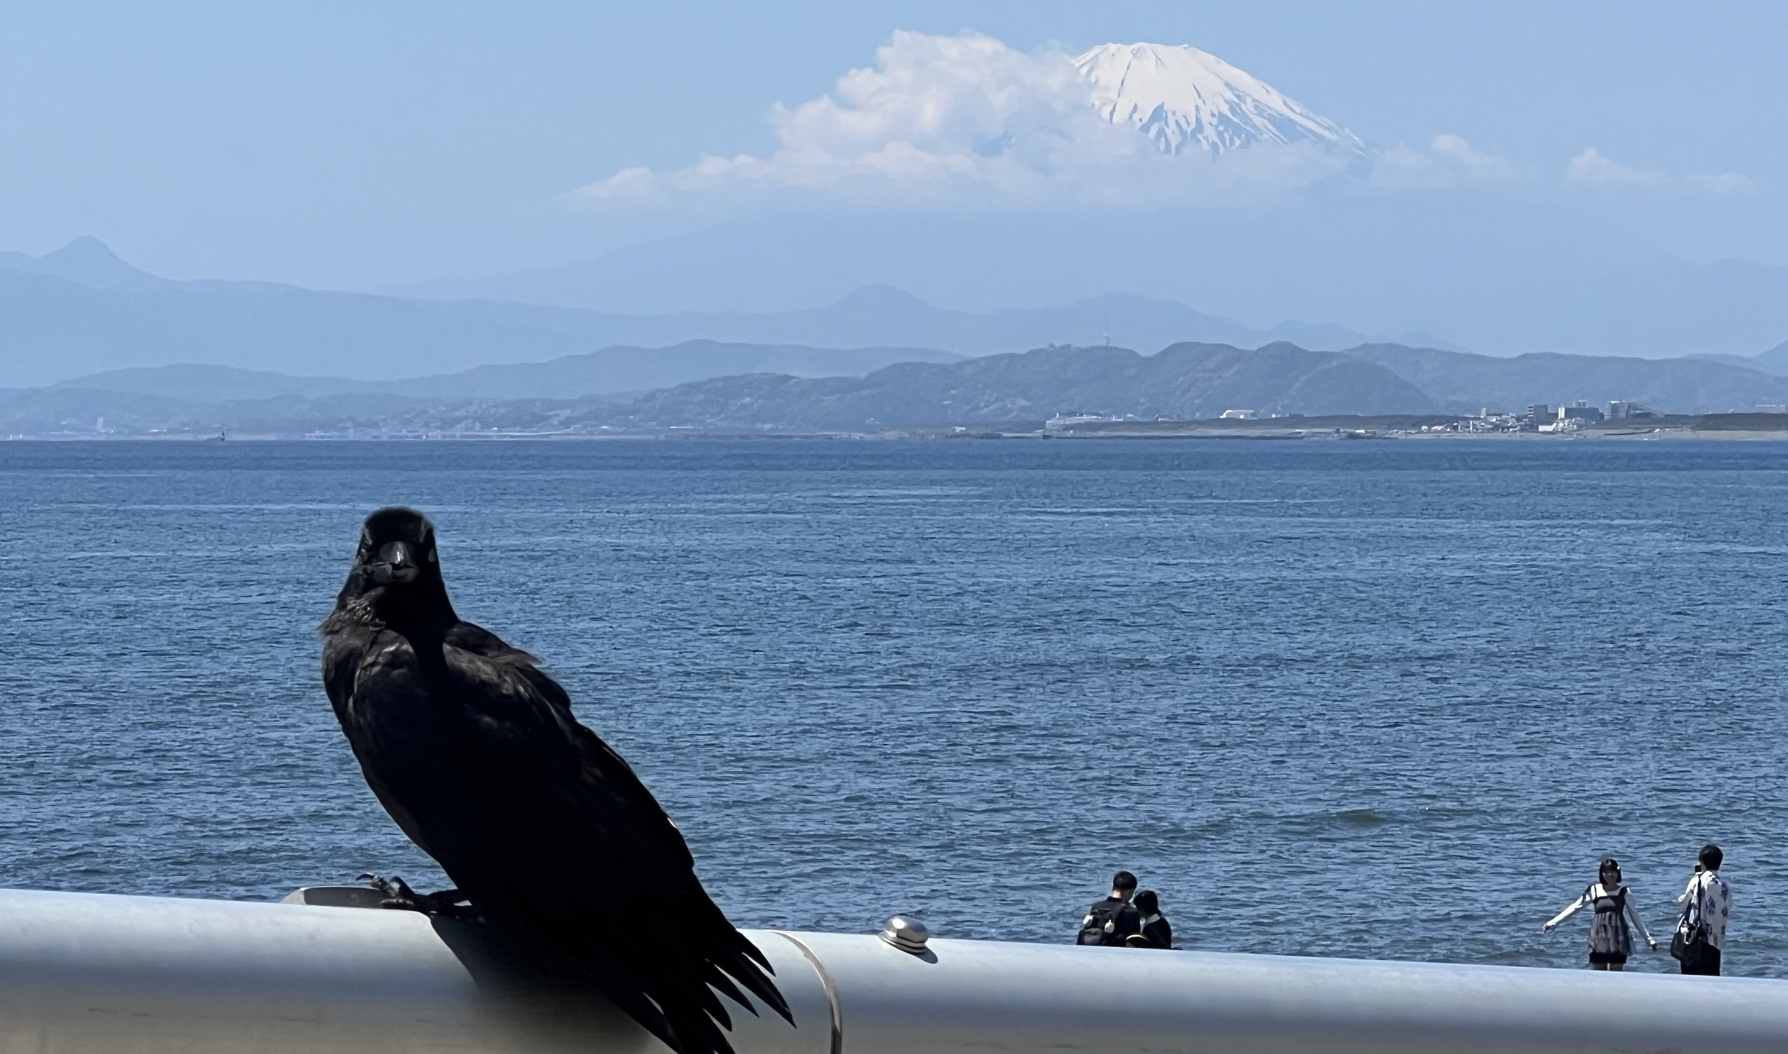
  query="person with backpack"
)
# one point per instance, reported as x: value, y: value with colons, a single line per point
x: 1700, y: 940
x: 1610, y: 941
x: 1113, y: 919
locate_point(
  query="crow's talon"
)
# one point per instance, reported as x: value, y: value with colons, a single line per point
x: 450, y: 903
x: 398, y: 893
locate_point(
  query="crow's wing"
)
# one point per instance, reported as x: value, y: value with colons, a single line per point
x: 518, y: 743
x: 475, y: 752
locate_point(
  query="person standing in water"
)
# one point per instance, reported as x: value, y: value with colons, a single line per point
x: 1610, y: 941
x: 1707, y: 904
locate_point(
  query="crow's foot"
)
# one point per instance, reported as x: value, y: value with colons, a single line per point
x: 450, y: 903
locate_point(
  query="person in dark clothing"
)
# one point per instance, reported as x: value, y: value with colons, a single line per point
x: 1707, y: 905
x: 1113, y: 919
x: 1156, y: 932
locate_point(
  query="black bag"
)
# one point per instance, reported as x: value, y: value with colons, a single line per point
x: 1690, y: 938
x: 1689, y: 944
x: 1101, y: 924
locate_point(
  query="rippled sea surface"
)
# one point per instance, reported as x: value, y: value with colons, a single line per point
x: 1390, y: 700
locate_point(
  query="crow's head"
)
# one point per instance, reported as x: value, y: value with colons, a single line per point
x: 397, y: 547
x: 396, y: 569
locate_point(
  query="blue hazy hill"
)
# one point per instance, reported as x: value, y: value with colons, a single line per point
x: 603, y: 372
x: 81, y: 310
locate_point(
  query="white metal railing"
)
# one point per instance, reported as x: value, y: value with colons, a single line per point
x: 92, y: 974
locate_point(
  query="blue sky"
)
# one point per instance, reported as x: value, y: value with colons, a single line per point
x: 367, y: 145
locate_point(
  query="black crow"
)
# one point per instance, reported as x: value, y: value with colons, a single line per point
x: 550, y: 835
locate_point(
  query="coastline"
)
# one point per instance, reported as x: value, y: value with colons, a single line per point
x: 1664, y: 434
x: 1671, y: 435
x: 1728, y: 427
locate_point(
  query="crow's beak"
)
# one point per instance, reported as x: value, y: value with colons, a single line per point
x: 394, y: 562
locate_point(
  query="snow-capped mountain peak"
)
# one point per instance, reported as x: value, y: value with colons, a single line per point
x: 1186, y: 99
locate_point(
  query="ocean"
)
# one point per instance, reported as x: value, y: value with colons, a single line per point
x: 1380, y: 699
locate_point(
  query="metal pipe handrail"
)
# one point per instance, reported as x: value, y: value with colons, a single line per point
x: 96, y: 974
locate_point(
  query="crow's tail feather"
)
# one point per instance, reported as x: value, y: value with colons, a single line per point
x: 731, y: 954
x: 648, y: 1013
x: 672, y: 983
x: 690, y: 1008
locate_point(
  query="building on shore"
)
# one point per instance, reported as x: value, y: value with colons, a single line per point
x: 1580, y: 412
x: 1623, y: 410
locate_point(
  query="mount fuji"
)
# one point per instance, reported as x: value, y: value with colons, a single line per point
x: 1186, y: 99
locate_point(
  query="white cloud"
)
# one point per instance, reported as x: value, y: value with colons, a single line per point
x: 1719, y: 182
x: 1593, y: 168
x: 1448, y: 161
x: 964, y: 122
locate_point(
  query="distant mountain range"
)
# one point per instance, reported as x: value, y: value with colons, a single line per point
x: 82, y: 310
x: 605, y: 372
x: 86, y: 261
x: 599, y: 392
x: 154, y: 355
x: 1488, y: 270
x: 1460, y: 383
x: 1180, y: 382
x: 1185, y: 380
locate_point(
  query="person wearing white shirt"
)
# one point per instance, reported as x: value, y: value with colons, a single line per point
x: 1610, y: 941
x: 1707, y: 905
